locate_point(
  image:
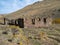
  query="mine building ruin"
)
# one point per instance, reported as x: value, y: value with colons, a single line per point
x: 30, y: 22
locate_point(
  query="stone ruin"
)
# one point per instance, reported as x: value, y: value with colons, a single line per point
x: 31, y: 22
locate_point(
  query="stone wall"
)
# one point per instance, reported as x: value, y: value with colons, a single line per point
x: 39, y: 22
x: 30, y: 22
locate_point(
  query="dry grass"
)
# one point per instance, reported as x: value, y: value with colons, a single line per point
x: 15, y: 34
x: 29, y: 36
x: 43, y: 36
x: 56, y: 21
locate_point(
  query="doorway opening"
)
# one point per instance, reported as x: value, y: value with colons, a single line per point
x: 21, y: 23
x: 44, y: 20
x: 33, y: 21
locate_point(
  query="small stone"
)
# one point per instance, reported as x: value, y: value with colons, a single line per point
x: 29, y: 37
x: 4, y: 33
x: 9, y: 40
x: 18, y: 43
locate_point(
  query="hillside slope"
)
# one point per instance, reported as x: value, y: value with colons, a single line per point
x: 46, y: 7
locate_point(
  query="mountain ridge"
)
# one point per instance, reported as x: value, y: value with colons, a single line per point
x: 38, y: 8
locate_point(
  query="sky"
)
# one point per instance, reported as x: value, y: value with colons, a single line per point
x: 9, y: 6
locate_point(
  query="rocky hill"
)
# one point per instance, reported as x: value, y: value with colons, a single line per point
x: 40, y: 8
x: 13, y: 35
